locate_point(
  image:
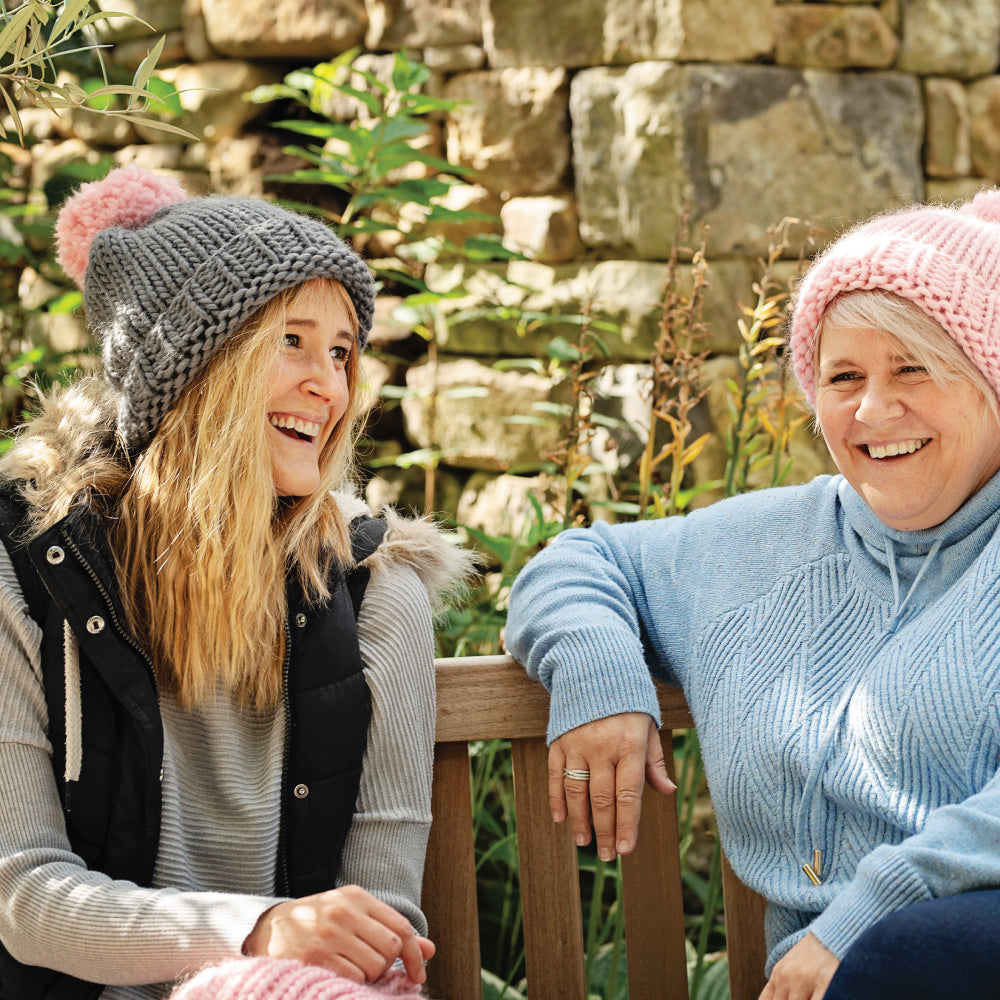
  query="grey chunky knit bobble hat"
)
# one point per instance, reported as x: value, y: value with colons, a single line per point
x: 167, y: 279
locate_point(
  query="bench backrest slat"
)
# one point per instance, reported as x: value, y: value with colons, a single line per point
x: 491, y: 697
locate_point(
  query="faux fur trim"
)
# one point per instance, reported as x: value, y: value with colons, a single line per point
x: 445, y: 568
x: 67, y: 447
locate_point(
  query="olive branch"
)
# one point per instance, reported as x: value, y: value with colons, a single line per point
x: 35, y: 34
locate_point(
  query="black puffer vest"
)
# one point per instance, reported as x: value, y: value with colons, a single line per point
x: 113, y: 811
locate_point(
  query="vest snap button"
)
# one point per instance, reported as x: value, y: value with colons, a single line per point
x: 301, y: 791
x: 161, y: 775
x: 55, y: 555
x: 95, y: 624
x: 300, y: 620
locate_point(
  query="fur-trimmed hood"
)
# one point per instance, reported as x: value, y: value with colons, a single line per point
x: 71, y: 445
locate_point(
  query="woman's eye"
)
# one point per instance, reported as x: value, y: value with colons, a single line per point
x: 913, y: 370
x: 340, y: 353
x: 842, y: 377
x: 291, y: 340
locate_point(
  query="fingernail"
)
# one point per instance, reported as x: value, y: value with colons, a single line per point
x: 606, y: 854
x: 624, y: 847
x: 580, y: 839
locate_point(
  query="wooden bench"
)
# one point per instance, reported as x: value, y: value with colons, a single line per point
x: 491, y: 697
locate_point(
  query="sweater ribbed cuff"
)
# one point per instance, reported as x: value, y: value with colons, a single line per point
x: 596, y: 675
x: 884, y: 883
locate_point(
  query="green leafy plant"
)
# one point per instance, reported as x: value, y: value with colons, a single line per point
x: 26, y: 358
x: 37, y: 35
x: 369, y: 159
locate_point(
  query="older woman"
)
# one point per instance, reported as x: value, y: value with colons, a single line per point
x: 838, y: 642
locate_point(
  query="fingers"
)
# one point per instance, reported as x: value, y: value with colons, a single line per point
x: 579, y: 802
x: 656, y: 767
x: 557, y: 797
x: 412, y: 954
x: 346, y: 930
x: 613, y: 756
x: 629, y: 783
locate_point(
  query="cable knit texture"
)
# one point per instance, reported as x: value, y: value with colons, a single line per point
x: 168, y: 278
x: 275, y: 979
x: 844, y: 678
x: 944, y: 260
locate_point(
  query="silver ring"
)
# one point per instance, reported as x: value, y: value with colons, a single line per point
x: 576, y: 773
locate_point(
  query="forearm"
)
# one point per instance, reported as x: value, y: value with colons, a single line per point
x: 385, y: 849
x: 574, y: 622
x: 57, y: 914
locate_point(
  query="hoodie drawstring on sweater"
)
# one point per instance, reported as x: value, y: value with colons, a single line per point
x: 894, y: 576
x: 814, y: 777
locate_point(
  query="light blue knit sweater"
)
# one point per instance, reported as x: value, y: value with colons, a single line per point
x: 844, y: 678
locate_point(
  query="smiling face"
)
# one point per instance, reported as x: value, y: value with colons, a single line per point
x: 311, y: 387
x: 914, y: 447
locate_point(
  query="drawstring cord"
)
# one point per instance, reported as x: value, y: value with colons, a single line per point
x: 74, y: 712
x: 815, y: 774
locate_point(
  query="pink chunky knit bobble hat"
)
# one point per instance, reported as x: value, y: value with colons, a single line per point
x: 944, y: 260
x: 283, y: 979
x: 128, y: 198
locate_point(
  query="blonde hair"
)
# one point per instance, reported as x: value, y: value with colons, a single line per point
x: 912, y: 332
x: 203, y: 544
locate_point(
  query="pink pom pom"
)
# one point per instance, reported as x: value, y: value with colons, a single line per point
x: 986, y: 206
x: 128, y: 197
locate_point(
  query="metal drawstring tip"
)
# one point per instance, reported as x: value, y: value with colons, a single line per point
x: 813, y: 877
x: 818, y: 862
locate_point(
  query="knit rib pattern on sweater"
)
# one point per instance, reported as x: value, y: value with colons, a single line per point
x: 843, y: 677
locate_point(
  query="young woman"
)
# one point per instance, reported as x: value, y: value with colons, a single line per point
x: 216, y: 684
x: 837, y: 642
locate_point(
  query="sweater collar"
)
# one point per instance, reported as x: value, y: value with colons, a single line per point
x: 897, y: 564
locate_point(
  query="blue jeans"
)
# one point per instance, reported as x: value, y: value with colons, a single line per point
x: 944, y: 949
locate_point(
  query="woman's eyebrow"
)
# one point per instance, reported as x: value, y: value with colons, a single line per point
x: 311, y: 324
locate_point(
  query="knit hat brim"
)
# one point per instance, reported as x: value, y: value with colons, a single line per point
x: 945, y: 261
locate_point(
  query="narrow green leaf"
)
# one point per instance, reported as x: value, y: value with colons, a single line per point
x: 15, y: 27
x: 370, y: 101
x: 146, y: 67
x: 66, y: 21
x: 15, y: 117
x: 154, y: 123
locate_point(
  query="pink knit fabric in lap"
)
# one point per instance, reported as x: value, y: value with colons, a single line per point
x: 944, y: 260
x: 282, y: 979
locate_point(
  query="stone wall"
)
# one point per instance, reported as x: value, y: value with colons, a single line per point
x: 592, y: 124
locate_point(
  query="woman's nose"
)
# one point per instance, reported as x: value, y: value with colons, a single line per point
x: 321, y: 379
x: 879, y: 404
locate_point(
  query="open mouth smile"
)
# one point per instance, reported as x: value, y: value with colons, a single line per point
x: 895, y: 449
x: 295, y: 427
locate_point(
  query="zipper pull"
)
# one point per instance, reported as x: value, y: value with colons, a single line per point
x: 814, y: 872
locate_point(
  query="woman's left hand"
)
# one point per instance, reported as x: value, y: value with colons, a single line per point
x: 345, y: 930
x: 803, y: 974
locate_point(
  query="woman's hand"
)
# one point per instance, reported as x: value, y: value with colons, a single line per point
x: 803, y: 974
x: 346, y: 930
x: 617, y: 751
